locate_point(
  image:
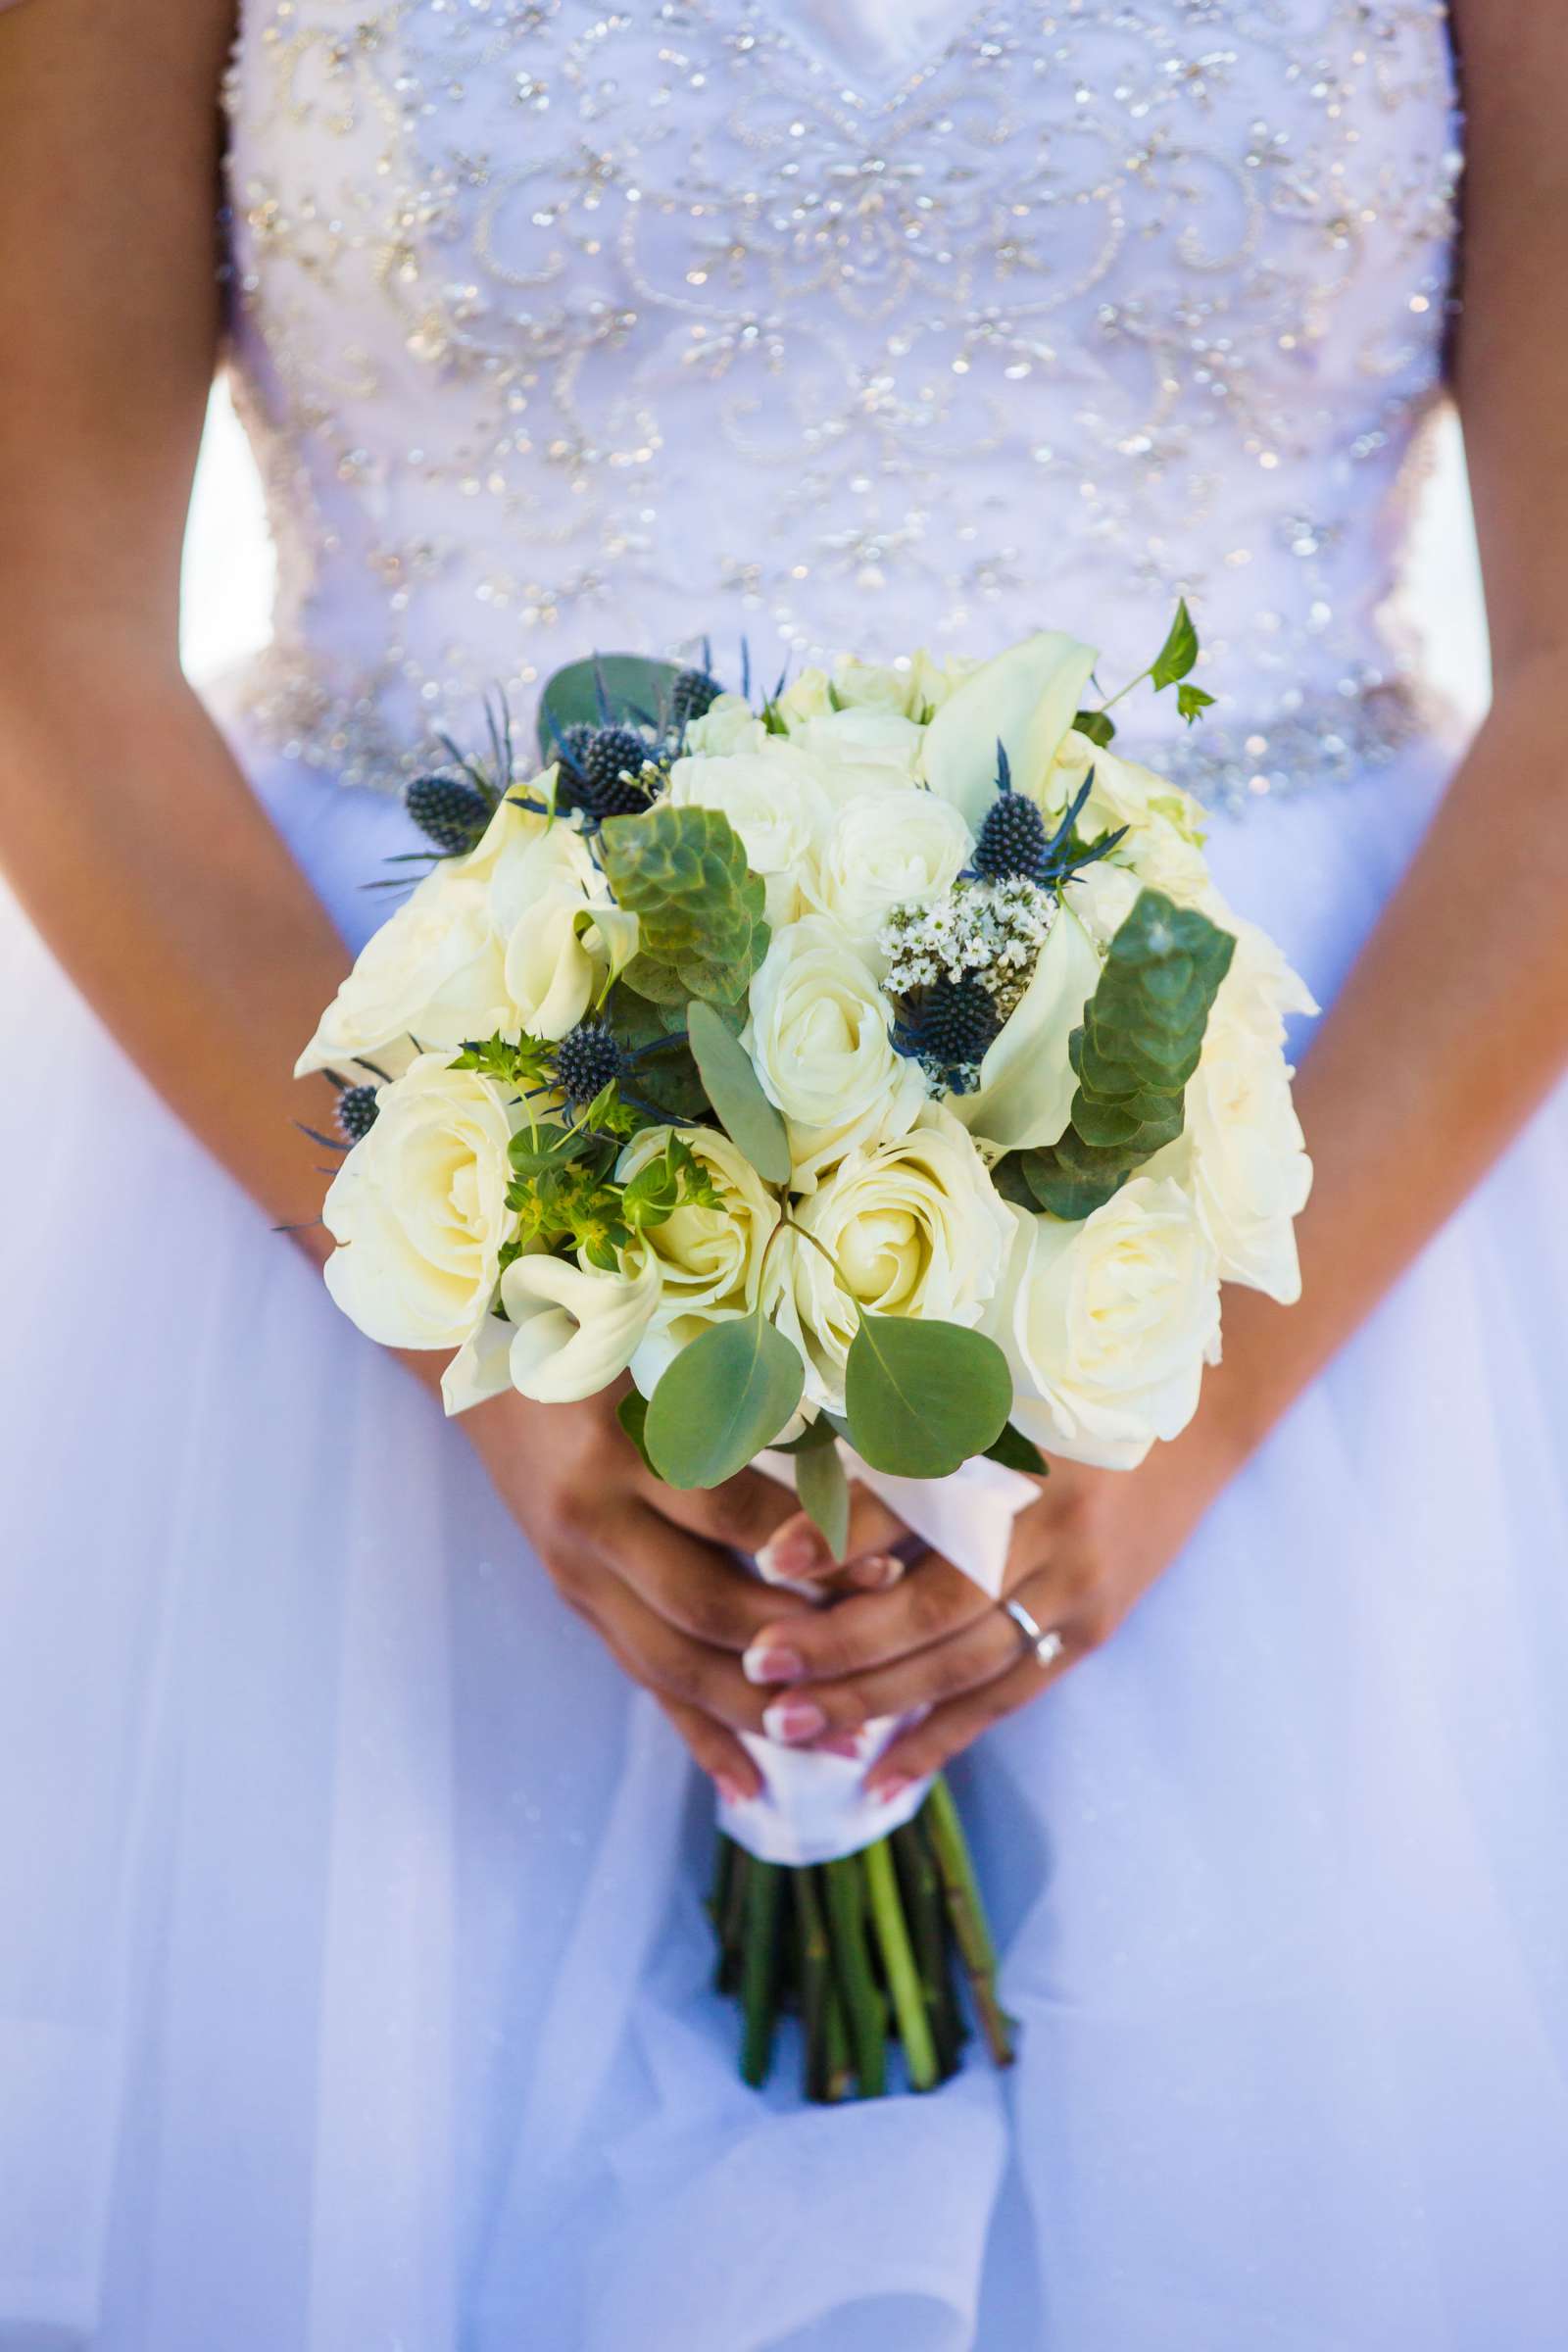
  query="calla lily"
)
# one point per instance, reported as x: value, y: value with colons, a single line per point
x: 1025, y: 700
x: 1027, y: 1084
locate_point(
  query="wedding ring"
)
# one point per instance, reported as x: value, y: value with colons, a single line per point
x: 1046, y: 1643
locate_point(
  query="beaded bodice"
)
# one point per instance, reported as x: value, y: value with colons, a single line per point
x: 835, y: 323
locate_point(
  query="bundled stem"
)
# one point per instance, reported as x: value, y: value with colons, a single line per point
x: 862, y: 1950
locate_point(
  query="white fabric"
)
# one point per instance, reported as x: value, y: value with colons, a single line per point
x: 354, y: 1990
x: 812, y: 1806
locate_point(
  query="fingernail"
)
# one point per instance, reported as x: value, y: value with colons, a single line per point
x: 885, y: 1790
x: 837, y: 1743
x: 794, y: 1720
x: 793, y: 1549
x: 729, y: 1788
x: 764, y: 1662
x: 875, y: 1574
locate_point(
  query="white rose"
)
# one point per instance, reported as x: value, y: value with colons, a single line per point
x: 1024, y: 1097
x: 1241, y: 1153
x: 1164, y: 837
x: 728, y: 724
x: 434, y: 973
x: 775, y: 803
x: 1025, y: 699
x: 871, y: 685
x: 708, y: 1261
x: 418, y: 1210
x: 808, y: 696
x: 933, y: 678
x: 821, y: 1038
x: 885, y: 849
x: 851, y: 742
x: 916, y: 1227
x: 547, y: 899
x: 1107, y: 1323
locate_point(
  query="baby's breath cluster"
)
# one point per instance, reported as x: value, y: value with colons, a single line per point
x: 971, y: 952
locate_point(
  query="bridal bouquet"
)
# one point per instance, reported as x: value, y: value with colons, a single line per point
x: 872, y: 1070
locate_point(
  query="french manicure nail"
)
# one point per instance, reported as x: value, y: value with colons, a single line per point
x: 885, y: 1790
x: 837, y: 1743
x: 793, y: 1720
x: 767, y: 1662
x: 793, y: 1549
x: 730, y: 1790
x: 875, y: 1574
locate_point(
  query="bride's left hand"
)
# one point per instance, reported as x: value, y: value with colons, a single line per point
x: 1081, y: 1557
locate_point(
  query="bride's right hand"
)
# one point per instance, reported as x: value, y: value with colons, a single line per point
x: 651, y: 1569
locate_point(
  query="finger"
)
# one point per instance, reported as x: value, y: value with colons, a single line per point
x: 797, y: 1551
x: 694, y: 1586
x: 979, y: 1651
x: 716, y: 1750
x: 932, y: 1601
x: 740, y: 1514
x: 956, y: 1723
x: 670, y: 1663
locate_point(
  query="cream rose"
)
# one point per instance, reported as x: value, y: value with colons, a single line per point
x: 708, y: 1261
x: 729, y: 724
x: 773, y: 800
x: 1107, y: 1323
x: 887, y: 848
x: 871, y: 685
x: 820, y: 1041
x: 1164, y: 836
x: 1243, y: 1157
x: 418, y: 1210
x: 433, y: 975
x: 854, y: 744
x: 916, y: 1228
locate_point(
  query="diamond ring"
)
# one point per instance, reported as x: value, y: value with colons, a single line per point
x: 1046, y: 1643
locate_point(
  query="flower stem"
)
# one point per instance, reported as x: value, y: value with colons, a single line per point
x: 968, y: 1914
x: 852, y: 1961
x: 929, y: 1933
x: 897, y: 1966
x: 815, y: 1982
x: 759, y: 1967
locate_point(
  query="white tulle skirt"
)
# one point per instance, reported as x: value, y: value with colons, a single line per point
x: 354, y: 1984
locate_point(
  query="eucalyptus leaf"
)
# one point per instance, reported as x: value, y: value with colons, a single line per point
x: 743, y: 1111
x: 921, y: 1396
x: 722, y: 1399
x: 620, y: 689
x: 1141, y: 1036
x: 1014, y: 1451
x: 632, y: 1414
x: 1179, y: 652
x: 823, y: 1490
x: 820, y: 1432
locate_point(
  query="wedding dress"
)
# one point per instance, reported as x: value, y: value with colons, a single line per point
x: 354, y: 1984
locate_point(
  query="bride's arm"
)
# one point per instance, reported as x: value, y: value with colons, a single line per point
x: 1450, y: 1029
x: 125, y: 828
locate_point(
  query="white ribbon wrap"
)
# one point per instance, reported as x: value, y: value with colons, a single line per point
x: 814, y: 1807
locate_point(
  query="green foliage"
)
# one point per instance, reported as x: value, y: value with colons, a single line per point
x: 606, y: 690
x: 1179, y: 652
x: 743, y: 1110
x: 632, y: 1414
x: 1014, y: 1451
x: 922, y: 1396
x: 1192, y: 701
x: 529, y: 1066
x: 1142, y: 1034
x: 1098, y: 726
x: 722, y: 1399
x: 683, y: 873
x: 823, y: 1490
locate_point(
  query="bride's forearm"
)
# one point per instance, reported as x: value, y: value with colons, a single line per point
x: 164, y: 890
x: 1450, y: 1029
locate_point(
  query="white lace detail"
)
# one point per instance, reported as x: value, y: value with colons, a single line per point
x: 560, y: 327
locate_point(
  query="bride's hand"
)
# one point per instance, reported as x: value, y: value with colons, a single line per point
x: 1081, y: 1557
x: 650, y: 1568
